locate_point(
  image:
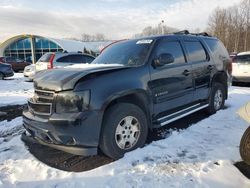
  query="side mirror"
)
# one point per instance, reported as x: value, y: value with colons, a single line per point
x: 163, y: 59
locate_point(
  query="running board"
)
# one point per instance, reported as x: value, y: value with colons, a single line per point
x: 180, y: 114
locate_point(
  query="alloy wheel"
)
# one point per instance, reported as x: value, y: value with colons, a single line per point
x: 127, y: 132
x: 218, y: 99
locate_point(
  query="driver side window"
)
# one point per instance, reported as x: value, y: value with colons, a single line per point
x: 171, y: 47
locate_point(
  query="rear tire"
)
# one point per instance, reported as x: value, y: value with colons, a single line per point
x: 125, y: 128
x: 245, y: 146
x: 216, y: 98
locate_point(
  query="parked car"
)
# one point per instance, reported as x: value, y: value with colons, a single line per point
x: 61, y: 59
x: 241, y: 67
x: 244, y: 112
x: 29, y: 71
x: 131, y: 87
x: 5, y: 71
x: 16, y: 63
x: 233, y: 55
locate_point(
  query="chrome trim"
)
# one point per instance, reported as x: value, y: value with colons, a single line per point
x: 45, y: 91
x: 183, y: 115
x: 40, y: 113
x: 42, y: 94
x: 177, y: 112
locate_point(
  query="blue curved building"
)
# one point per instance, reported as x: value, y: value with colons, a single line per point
x: 32, y: 47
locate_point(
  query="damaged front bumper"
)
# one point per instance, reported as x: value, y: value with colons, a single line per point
x: 75, y: 133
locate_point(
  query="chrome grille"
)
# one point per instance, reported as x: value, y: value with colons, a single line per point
x: 43, y: 96
x: 41, y: 103
x: 40, y: 108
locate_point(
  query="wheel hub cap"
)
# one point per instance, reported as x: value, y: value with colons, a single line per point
x: 127, y: 133
x: 218, y: 98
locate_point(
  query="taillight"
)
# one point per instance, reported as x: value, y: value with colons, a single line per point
x: 50, y: 64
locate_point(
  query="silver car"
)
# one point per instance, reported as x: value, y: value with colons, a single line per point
x: 241, y: 67
x: 60, y: 59
x: 29, y: 71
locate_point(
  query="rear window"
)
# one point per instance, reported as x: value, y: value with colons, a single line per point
x: 217, y: 48
x: 242, y: 59
x: 196, y: 52
x: 77, y: 58
x: 45, y: 58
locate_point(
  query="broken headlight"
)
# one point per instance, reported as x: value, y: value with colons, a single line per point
x: 69, y: 101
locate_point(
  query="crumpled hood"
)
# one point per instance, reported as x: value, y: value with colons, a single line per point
x: 66, y: 78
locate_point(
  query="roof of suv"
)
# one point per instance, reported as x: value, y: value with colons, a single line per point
x: 180, y: 34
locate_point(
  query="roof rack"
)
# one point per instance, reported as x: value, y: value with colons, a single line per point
x: 186, y: 32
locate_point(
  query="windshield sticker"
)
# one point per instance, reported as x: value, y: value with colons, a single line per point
x: 149, y: 41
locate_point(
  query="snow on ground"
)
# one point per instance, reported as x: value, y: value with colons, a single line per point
x: 10, y: 128
x: 15, y: 90
x: 199, y: 156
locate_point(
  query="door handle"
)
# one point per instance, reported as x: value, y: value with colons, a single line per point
x: 186, y: 72
x: 210, y: 67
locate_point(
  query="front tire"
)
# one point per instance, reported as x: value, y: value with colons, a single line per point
x: 245, y: 146
x: 125, y: 128
x: 217, y: 98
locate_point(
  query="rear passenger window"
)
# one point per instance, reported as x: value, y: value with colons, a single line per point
x: 171, y: 47
x: 195, y: 51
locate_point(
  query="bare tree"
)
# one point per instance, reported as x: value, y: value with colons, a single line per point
x: 232, y: 26
x: 158, y: 30
x: 90, y: 38
x: 246, y: 12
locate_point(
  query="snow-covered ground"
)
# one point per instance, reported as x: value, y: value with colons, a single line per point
x: 15, y: 90
x: 199, y: 156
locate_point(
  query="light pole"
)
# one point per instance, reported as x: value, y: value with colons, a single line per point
x: 162, y: 27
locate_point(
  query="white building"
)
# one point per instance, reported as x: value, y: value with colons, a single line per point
x: 32, y: 47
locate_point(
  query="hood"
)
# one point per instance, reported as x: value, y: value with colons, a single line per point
x: 66, y: 78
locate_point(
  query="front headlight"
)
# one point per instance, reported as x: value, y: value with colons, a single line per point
x: 69, y: 101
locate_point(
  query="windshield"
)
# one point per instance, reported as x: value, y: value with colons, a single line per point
x: 242, y: 59
x: 127, y: 53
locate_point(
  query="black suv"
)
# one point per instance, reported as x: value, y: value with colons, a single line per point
x: 131, y: 87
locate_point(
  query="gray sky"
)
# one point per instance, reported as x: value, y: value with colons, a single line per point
x: 114, y: 18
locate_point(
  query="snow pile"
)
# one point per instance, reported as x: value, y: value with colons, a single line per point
x: 10, y: 128
x: 199, y: 156
x: 15, y: 90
